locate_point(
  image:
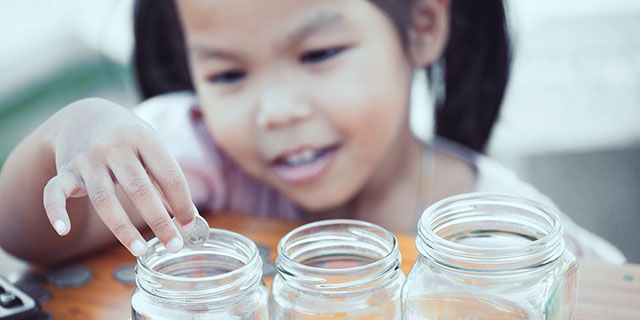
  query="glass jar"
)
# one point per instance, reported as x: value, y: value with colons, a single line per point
x: 487, y: 256
x: 220, y: 280
x: 337, y: 269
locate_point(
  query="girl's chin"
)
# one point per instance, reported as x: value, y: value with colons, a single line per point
x: 323, y: 198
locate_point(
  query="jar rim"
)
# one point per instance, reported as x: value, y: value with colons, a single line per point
x: 253, y: 258
x: 282, y: 246
x: 546, y: 248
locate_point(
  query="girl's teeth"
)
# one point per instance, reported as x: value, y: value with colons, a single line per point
x: 301, y: 157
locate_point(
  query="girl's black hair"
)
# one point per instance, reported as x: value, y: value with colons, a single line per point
x: 469, y: 79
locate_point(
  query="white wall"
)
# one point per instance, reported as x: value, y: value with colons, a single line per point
x: 41, y: 37
x: 576, y: 77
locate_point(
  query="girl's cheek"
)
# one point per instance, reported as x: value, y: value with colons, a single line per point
x: 352, y: 104
x: 227, y: 122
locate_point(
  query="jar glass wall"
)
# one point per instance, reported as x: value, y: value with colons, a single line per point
x: 220, y: 280
x: 337, y: 269
x: 487, y: 256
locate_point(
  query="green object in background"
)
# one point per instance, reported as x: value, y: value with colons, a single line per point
x: 25, y: 110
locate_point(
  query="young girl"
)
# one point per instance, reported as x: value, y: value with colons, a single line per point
x: 288, y: 108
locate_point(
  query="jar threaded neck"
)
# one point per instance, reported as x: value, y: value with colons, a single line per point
x: 338, y: 256
x: 225, y: 267
x: 481, y: 232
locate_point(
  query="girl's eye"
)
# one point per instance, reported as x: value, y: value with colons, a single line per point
x: 319, y: 56
x: 229, y: 77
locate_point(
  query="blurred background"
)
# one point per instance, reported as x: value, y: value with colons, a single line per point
x: 570, y: 124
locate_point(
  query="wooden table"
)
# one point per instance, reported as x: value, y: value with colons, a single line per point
x: 606, y: 291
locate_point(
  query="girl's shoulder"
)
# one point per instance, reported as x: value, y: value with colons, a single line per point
x: 493, y: 177
x: 172, y: 115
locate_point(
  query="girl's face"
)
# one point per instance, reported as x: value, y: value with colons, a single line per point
x: 307, y: 96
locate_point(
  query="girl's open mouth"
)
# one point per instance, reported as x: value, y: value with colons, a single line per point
x: 305, y: 164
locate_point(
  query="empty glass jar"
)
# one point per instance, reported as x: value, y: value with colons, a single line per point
x: 486, y: 256
x: 337, y: 269
x: 220, y: 280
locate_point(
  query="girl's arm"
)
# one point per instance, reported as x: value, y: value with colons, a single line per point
x: 88, y: 173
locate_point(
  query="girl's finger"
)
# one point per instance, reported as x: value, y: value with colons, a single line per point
x: 103, y: 197
x: 55, y: 196
x: 167, y: 173
x: 137, y: 185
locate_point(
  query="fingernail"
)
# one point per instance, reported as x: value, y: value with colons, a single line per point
x: 138, y: 248
x: 174, y: 245
x: 189, y: 226
x: 60, y: 226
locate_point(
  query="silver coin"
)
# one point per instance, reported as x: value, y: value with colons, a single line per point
x: 263, y: 251
x: 125, y: 274
x: 268, y: 269
x: 70, y: 277
x: 197, y: 237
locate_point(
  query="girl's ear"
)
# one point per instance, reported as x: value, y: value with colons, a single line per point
x: 429, y: 31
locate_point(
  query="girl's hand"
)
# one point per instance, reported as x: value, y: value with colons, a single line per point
x: 99, y: 145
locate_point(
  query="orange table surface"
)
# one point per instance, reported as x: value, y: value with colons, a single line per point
x: 605, y: 291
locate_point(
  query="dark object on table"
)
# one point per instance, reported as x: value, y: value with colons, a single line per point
x: 264, y: 251
x: 125, y: 274
x: 45, y: 316
x: 268, y: 268
x: 70, y: 277
x: 32, y: 284
x: 15, y: 304
x: 35, y: 291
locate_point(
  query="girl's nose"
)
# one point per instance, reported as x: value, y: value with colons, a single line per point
x: 278, y: 107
